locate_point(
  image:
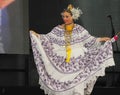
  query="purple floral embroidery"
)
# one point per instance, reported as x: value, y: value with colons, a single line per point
x: 89, y: 64
x: 76, y: 64
x: 60, y: 33
x: 56, y: 84
x: 89, y: 44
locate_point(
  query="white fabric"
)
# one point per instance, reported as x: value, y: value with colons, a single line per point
x: 85, y: 86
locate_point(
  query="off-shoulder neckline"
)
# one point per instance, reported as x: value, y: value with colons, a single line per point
x: 60, y: 26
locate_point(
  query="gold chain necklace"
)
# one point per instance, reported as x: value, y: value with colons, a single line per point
x: 68, y: 36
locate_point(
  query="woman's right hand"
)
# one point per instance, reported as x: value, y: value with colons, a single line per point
x: 36, y: 34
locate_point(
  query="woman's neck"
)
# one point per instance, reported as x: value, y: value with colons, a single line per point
x: 69, y: 27
x: 69, y: 24
x: 64, y: 25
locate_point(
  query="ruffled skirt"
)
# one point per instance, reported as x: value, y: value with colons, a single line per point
x: 76, y: 78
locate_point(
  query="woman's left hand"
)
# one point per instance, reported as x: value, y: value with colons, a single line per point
x: 104, y: 39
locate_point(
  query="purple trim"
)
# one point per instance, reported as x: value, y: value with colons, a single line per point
x: 90, y: 64
x: 60, y: 33
x: 76, y: 63
x: 72, y: 86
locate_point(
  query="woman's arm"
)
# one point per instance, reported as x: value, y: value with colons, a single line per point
x: 104, y: 39
x: 107, y: 38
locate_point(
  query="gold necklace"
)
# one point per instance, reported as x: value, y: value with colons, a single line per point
x: 68, y: 35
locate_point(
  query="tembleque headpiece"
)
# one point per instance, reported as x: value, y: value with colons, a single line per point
x: 76, y: 12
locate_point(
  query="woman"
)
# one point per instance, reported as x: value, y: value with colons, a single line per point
x: 68, y: 59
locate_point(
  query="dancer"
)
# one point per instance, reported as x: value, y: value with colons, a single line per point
x: 68, y: 59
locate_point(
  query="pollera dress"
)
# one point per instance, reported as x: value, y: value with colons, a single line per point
x: 88, y: 61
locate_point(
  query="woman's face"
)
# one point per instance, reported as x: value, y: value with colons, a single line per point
x: 67, y: 18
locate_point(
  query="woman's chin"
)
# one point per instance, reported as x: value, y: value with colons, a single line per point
x: 67, y: 23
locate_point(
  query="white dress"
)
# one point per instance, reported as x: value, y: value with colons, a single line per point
x: 89, y: 58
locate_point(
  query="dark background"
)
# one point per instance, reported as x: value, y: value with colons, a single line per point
x: 18, y: 73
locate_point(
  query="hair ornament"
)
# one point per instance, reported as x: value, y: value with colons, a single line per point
x: 76, y: 12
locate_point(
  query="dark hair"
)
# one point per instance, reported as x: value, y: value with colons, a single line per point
x: 66, y: 10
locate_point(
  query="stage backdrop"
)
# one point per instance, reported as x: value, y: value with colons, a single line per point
x: 96, y: 18
x: 14, y: 27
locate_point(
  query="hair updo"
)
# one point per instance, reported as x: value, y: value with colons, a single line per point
x: 74, y: 12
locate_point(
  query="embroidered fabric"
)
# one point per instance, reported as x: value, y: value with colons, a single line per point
x: 88, y: 61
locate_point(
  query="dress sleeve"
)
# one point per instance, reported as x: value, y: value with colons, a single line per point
x: 90, y: 41
x: 46, y: 37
